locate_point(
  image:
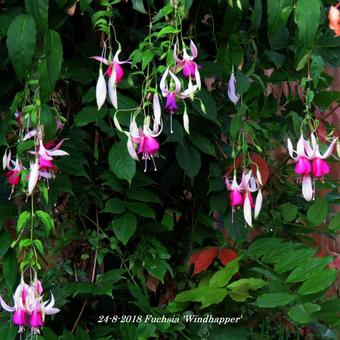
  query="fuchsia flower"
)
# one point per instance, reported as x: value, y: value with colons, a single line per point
x: 232, y: 94
x: 241, y: 195
x: 43, y: 165
x: 19, y: 309
x: 171, y: 91
x: 145, y: 140
x: 309, y: 162
x: 29, y: 309
x: 14, y: 170
x: 115, y: 74
x: 187, y: 63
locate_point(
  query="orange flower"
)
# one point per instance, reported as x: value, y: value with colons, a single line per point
x: 334, y: 19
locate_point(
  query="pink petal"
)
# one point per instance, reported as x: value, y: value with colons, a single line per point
x: 330, y: 149
x: 100, y: 59
x: 193, y: 49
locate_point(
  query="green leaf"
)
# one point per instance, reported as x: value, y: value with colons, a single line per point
x: 49, y: 67
x: 317, y: 212
x: 167, y: 30
x: 307, y: 17
x: 143, y: 195
x: 235, y: 125
x: 121, y: 164
x: 46, y: 219
x: 302, y: 313
x: 139, y: 6
x: 303, y: 271
x: 239, y: 289
x: 289, y: 212
x: 47, y: 119
x: 206, y: 295
x: 203, y: 143
x: 289, y: 260
x: 189, y: 159
x: 334, y: 224
x: 318, y: 281
x: 155, y: 266
x: 21, y: 40
x: 23, y: 218
x: 10, y: 269
x: 272, y: 300
x: 257, y: 15
x: 242, y: 82
x: 223, y: 276
x: 317, y: 67
x: 141, y: 209
x: 5, y: 242
x: 124, y: 227
x: 114, y: 206
x: 38, y: 9
x: 278, y: 13
x: 88, y: 114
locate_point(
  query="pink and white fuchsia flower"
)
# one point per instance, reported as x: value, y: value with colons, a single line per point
x: 170, y: 90
x: 145, y: 140
x: 187, y: 63
x: 309, y: 163
x: 241, y: 195
x: 29, y: 309
x: 115, y: 74
x: 14, y: 170
x: 43, y: 165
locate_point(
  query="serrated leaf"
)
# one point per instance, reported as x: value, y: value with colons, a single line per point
x: 289, y: 212
x: 115, y: 206
x: 121, y: 164
x: 189, y: 159
x: 124, y: 227
x: 23, y: 218
x: 141, y: 209
x: 317, y: 212
x: 46, y: 219
x: 21, y: 41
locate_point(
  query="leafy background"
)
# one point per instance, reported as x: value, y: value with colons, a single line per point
x: 123, y: 239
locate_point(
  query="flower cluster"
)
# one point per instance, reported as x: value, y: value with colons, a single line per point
x: 144, y: 139
x: 115, y: 74
x: 241, y: 194
x: 310, y: 164
x: 29, y: 308
x: 171, y: 85
x: 41, y: 167
x: 334, y: 19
